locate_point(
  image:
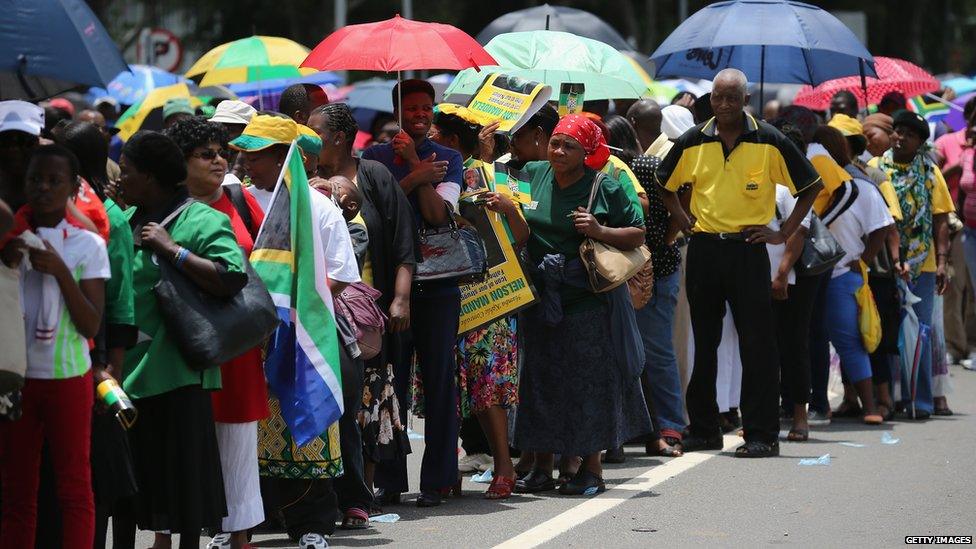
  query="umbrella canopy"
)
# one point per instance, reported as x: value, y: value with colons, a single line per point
x: 553, y: 58
x: 131, y: 86
x: 960, y: 84
x: 397, y: 44
x: 556, y: 18
x: 148, y: 114
x: 250, y: 60
x: 893, y: 75
x: 49, y: 47
x: 955, y: 118
x: 769, y: 40
x: 277, y: 86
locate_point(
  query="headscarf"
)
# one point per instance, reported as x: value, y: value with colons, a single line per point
x: 589, y: 136
x: 676, y: 120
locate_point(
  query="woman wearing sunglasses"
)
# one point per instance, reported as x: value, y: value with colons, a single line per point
x: 243, y: 400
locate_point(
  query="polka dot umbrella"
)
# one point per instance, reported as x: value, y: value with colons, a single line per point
x: 893, y: 75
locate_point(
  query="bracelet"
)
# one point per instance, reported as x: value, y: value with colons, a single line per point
x: 180, y: 256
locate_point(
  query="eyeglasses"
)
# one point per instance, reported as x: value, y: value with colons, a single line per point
x: 211, y: 154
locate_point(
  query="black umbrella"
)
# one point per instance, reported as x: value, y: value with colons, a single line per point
x: 556, y: 18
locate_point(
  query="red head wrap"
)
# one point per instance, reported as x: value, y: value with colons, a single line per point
x: 589, y: 136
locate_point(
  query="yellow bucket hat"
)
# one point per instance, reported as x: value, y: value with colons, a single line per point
x: 847, y: 125
x: 309, y: 141
x: 264, y: 131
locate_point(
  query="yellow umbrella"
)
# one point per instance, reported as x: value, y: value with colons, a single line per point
x: 250, y: 60
x: 148, y: 114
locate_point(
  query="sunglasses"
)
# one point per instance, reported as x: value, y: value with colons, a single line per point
x: 211, y: 155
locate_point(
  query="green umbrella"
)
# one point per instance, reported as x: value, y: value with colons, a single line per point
x: 553, y: 58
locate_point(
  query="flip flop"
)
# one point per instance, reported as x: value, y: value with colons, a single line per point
x: 355, y: 519
x: 873, y: 419
x: 798, y: 435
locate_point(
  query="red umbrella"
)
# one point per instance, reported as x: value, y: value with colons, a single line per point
x: 893, y: 75
x: 398, y: 44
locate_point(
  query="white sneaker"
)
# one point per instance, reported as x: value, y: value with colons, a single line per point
x: 473, y: 462
x: 969, y: 363
x: 220, y: 541
x: 313, y: 541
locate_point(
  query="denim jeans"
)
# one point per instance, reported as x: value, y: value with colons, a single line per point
x: 662, y: 384
x: 969, y: 249
x: 842, y: 325
x: 924, y: 288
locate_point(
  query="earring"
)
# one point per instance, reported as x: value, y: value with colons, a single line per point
x: 279, y: 164
x: 536, y: 142
x: 336, y: 141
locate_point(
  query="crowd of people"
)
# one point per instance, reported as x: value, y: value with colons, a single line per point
x: 735, y: 336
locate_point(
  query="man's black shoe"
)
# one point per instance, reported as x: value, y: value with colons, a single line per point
x: 695, y: 443
x: 757, y: 449
x: 385, y: 497
x: 614, y: 455
x: 428, y: 499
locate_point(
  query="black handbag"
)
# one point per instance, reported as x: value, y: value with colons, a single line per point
x: 821, y: 251
x: 451, y: 253
x: 210, y: 330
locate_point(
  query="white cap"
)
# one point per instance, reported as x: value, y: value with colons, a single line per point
x: 233, y: 112
x: 21, y: 116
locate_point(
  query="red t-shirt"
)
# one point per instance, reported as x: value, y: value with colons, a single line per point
x: 244, y: 396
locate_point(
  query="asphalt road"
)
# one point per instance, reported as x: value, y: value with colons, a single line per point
x: 871, y: 494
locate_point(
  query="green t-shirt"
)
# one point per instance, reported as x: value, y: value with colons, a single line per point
x: 119, y: 308
x: 552, y: 230
x: 155, y: 365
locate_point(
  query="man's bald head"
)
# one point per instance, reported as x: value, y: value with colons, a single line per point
x: 732, y: 77
x: 645, y: 116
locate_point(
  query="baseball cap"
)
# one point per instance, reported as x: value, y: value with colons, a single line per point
x: 230, y: 111
x: 264, y: 131
x: 309, y: 141
x: 16, y: 115
x: 63, y: 104
x: 177, y: 105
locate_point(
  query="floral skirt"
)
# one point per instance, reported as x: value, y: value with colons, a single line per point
x: 487, y: 373
x: 384, y: 436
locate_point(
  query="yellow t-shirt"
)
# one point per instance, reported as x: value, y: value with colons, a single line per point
x: 730, y: 193
x: 941, y: 204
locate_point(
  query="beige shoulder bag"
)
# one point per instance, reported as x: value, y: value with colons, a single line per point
x: 606, y: 266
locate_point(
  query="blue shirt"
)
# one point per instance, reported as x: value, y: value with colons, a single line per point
x: 384, y: 154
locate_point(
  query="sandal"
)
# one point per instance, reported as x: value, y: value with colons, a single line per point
x: 886, y: 411
x: 848, y: 409
x: 942, y: 411
x: 798, y: 435
x: 500, y: 488
x: 355, y: 519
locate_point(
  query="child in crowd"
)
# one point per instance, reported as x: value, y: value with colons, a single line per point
x: 64, y: 268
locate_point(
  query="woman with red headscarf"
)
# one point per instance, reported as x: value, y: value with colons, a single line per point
x: 579, y: 388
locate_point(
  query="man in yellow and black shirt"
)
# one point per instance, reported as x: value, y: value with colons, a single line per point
x: 733, y: 163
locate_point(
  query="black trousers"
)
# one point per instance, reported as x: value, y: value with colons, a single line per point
x: 736, y: 272
x: 434, y: 315
x: 302, y: 506
x: 792, y: 320
x: 473, y: 438
x: 351, y: 486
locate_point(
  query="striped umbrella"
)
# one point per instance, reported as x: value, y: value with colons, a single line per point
x: 148, y: 114
x: 250, y: 59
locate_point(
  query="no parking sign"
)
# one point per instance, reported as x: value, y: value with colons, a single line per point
x: 160, y: 48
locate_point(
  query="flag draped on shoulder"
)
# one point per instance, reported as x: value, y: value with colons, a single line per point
x: 302, y: 364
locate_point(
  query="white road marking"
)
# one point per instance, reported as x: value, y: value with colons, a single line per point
x: 613, y: 497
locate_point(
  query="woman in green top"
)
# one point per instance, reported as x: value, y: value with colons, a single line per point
x: 577, y: 395
x: 174, y: 441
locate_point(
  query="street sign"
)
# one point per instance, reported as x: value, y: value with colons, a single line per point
x: 160, y: 48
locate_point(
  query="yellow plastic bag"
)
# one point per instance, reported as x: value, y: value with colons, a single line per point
x: 868, y: 318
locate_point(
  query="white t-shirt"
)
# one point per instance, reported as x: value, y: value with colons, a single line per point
x: 340, y: 260
x: 785, y: 202
x: 85, y: 256
x: 867, y: 213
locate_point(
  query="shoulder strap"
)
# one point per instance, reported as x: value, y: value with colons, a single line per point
x: 597, y: 181
x: 235, y: 192
x: 176, y: 213
x: 842, y: 200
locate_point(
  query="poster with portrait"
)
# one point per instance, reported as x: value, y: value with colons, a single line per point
x: 507, y: 288
x: 509, y: 100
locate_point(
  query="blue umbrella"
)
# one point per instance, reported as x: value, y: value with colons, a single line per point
x: 776, y: 40
x: 52, y: 46
x: 131, y: 86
